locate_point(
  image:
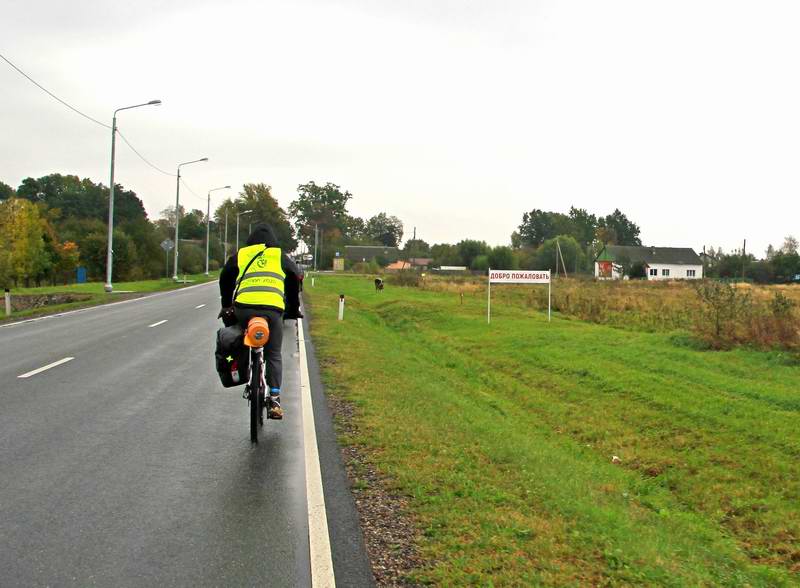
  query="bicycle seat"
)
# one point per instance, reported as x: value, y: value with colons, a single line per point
x: 257, y: 332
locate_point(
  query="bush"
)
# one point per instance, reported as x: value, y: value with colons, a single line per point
x: 408, y: 278
x: 368, y: 267
x: 730, y: 316
x: 191, y: 259
x: 480, y: 263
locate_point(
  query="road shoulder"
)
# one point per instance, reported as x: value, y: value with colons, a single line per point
x: 350, y: 560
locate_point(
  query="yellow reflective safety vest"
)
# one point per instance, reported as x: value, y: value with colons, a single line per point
x: 262, y: 285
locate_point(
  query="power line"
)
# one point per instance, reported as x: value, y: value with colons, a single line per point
x: 49, y: 93
x: 142, y: 157
x: 185, y: 185
x: 86, y: 116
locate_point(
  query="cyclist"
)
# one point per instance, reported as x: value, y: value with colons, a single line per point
x: 270, y: 289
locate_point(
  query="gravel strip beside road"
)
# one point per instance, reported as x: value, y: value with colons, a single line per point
x: 389, y: 530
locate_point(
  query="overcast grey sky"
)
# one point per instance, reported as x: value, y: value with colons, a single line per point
x: 456, y: 116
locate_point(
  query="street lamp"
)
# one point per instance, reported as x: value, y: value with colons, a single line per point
x: 208, y: 220
x: 238, y: 214
x: 109, y: 247
x: 178, y: 211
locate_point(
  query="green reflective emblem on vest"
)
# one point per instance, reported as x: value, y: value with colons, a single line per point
x: 262, y: 285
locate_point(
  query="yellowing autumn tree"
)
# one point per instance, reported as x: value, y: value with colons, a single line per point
x: 24, y: 256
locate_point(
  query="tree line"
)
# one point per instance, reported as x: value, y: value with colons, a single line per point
x: 51, y: 225
x: 779, y: 265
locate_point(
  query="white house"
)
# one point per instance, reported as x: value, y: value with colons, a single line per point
x: 659, y: 263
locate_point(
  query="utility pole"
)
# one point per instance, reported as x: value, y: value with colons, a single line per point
x: 744, y: 256
x: 316, y: 236
x: 225, y: 255
x: 413, y: 244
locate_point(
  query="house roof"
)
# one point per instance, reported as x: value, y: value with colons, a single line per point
x: 370, y: 252
x: 649, y: 255
x: 398, y: 265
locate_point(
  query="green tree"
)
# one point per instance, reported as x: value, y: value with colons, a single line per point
x: 446, y: 254
x: 356, y: 230
x: 480, y: 263
x: 6, y: 191
x: 539, y: 225
x: 790, y: 245
x: 323, y: 206
x: 502, y: 258
x: 416, y: 248
x: 584, y: 225
x: 193, y: 225
x: 785, y: 266
x: 384, y: 230
x: 469, y: 249
x: 571, y: 252
x: 265, y: 207
x: 625, y: 230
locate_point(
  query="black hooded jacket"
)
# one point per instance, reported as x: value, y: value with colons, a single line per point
x: 262, y: 234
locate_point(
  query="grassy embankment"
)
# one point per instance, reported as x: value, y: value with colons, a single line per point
x: 503, y: 436
x: 90, y: 294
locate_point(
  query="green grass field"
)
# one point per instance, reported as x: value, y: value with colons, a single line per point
x: 97, y: 295
x: 503, y: 436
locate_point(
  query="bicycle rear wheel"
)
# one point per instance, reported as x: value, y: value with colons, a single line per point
x: 256, y: 396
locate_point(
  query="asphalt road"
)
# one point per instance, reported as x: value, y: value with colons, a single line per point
x: 130, y: 465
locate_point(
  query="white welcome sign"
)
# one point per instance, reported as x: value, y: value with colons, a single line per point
x: 517, y: 277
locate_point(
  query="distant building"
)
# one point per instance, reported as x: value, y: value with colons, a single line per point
x: 659, y: 263
x: 367, y: 253
x: 398, y: 266
x: 420, y: 263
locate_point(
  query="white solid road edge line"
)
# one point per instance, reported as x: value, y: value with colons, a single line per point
x: 45, y: 367
x: 156, y: 324
x: 319, y: 542
x: 99, y: 306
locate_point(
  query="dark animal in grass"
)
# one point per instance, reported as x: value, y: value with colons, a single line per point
x: 378, y: 284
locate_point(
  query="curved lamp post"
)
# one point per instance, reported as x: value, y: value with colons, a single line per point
x: 110, y: 243
x: 238, y: 214
x: 178, y: 211
x: 208, y: 220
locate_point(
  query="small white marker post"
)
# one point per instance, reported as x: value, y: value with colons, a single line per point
x: 341, y: 307
x: 8, y: 302
x: 312, y: 281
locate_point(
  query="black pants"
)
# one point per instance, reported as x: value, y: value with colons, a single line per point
x: 272, y: 350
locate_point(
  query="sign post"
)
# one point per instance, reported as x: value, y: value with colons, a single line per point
x: 517, y: 277
x: 167, y: 245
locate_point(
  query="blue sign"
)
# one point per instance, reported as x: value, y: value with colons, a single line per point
x: 81, y: 275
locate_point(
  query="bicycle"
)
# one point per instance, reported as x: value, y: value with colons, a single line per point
x: 255, y: 392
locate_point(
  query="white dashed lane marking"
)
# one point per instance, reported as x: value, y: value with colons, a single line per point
x: 200, y: 306
x: 45, y: 367
x: 156, y: 324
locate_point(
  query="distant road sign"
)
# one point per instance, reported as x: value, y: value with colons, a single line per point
x: 167, y: 244
x: 519, y: 276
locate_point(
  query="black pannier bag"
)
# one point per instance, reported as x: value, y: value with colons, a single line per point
x: 232, y: 356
